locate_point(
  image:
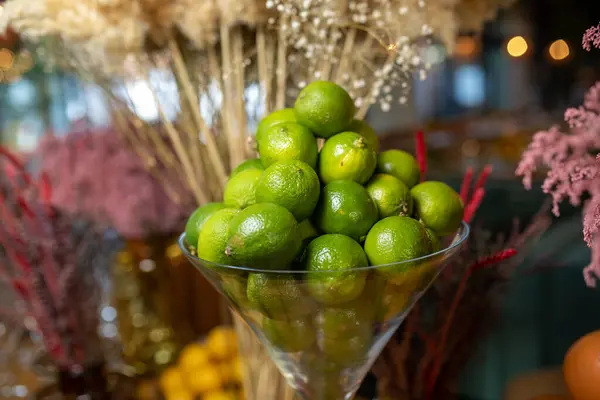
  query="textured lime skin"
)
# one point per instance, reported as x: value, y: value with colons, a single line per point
x: 289, y: 336
x: 287, y: 141
x: 366, y: 131
x: 292, y: 184
x: 235, y: 288
x: 196, y: 221
x: 434, y: 239
x: 325, y: 108
x: 263, y: 236
x: 400, y: 164
x: 345, y: 207
x: 391, y: 196
x: 347, y: 156
x: 278, y: 296
x: 438, y: 206
x: 253, y: 163
x: 396, y: 239
x: 337, y: 253
x: 306, y: 230
x: 240, y: 191
x: 273, y: 119
x: 214, y: 234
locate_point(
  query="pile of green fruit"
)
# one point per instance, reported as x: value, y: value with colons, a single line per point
x: 339, y: 209
x: 295, y: 202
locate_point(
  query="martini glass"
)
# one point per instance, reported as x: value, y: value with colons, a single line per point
x: 325, y: 350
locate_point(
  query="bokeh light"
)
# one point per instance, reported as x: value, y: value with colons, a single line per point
x: 465, y: 46
x: 517, y: 46
x: 559, y: 50
x: 7, y: 58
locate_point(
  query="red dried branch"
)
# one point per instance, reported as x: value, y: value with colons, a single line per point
x: 466, y: 185
x: 493, y: 259
x: 421, y: 154
x: 438, y: 359
x: 473, y: 205
x: 483, y: 176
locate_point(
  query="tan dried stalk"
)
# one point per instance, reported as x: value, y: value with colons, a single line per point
x: 263, y: 69
x: 191, y: 96
x: 238, y: 93
x: 280, y: 72
x: 345, y: 58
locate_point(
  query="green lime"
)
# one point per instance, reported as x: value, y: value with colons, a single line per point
x: 289, y: 336
x: 366, y: 131
x: 345, y: 207
x: 263, y: 236
x: 234, y: 288
x: 438, y: 206
x: 306, y: 232
x: 278, y: 296
x: 253, y: 163
x: 351, y: 351
x: 330, y: 260
x: 394, y: 240
x: 400, y: 164
x: 275, y: 118
x: 325, y: 108
x: 196, y: 221
x: 345, y: 321
x: 240, y: 191
x: 287, y: 141
x: 395, y: 301
x: 345, y: 333
x: 346, y: 156
x: 292, y: 184
x: 213, y: 236
x: 391, y: 196
x: 434, y: 239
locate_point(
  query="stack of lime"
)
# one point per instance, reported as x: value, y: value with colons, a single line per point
x: 329, y: 213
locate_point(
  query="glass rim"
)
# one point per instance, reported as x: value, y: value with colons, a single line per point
x: 460, y: 237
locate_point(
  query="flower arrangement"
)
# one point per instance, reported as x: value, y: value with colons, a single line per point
x: 51, y: 260
x: 572, y: 161
x: 216, y: 53
x: 95, y: 174
x: 435, y: 343
x: 229, y: 64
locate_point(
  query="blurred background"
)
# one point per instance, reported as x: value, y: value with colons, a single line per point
x: 479, y: 107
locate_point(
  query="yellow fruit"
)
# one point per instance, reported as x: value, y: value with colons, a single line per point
x: 226, y: 372
x: 194, y: 356
x: 237, y: 368
x: 178, y: 395
x: 204, y: 380
x: 171, y: 379
x: 222, y: 343
x: 220, y: 396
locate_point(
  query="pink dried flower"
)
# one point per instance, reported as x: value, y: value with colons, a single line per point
x: 591, y: 38
x: 94, y: 173
x: 573, y: 163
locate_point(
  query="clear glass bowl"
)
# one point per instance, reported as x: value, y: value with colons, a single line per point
x: 323, y: 343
